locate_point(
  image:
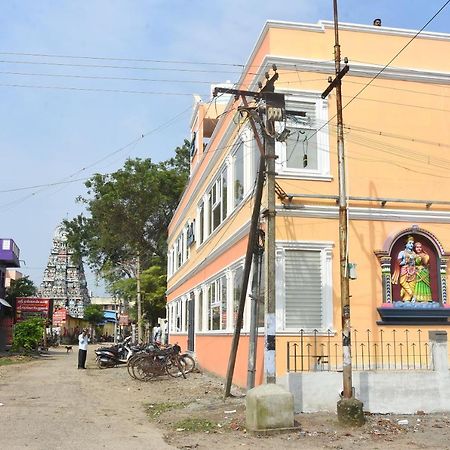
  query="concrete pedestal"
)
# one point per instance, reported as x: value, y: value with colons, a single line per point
x: 350, y: 412
x: 269, y: 407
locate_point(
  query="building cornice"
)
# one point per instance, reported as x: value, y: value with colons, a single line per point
x: 323, y: 25
x: 358, y: 69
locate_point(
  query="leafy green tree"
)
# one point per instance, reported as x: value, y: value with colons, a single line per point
x: 28, y: 334
x: 93, y: 314
x: 127, y: 214
x: 153, y: 288
x: 23, y: 287
x: 153, y: 284
x: 128, y: 211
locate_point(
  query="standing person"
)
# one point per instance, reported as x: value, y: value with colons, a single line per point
x: 82, y: 349
x: 165, y: 333
x: 157, y: 333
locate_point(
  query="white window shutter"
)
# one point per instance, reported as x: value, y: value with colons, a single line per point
x: 304, y: 293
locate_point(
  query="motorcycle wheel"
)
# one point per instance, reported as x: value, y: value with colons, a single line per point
x: 130, y: 365
x: 175, y: 367
x: 188, y: 361
x: 144, y: 369
x: 102, y: 365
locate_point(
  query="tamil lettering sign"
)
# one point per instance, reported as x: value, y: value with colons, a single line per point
x: 27, y: 307
x: 59, y: 317
x: 124, y: 320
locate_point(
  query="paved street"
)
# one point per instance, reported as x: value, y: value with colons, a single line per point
x: 51, y: 404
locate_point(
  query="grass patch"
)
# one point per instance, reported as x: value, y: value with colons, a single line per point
x: 20, y: 359
x: 154, y: 410
x: 194, y: 424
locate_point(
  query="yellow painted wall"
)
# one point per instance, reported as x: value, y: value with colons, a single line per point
x: 397, y: 139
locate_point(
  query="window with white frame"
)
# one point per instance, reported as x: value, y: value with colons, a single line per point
x: 238, y: 276
x: 303, y: 146
x: 238, y: 173
x: 175, y: 313
x: 229, y: 188
x: 201, y: 222
x: 179, y: 249
x: 217, y: 304
x: 218, y: 200
x: 307, y: 293
x: 199, y: 319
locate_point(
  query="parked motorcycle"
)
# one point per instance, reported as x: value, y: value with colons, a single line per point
x: 114, y: 355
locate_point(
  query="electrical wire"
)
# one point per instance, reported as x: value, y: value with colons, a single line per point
x: 14, y: 203
x: 121, y: 91
x: 107, y: 156
x: 95, y: 77
x: 102, y: 66
x: 387, y: 64
x: 410, y: 91
x: 105, y: 58
x: 25, y: 188
x: 387, y: 102
x: 393, y: 135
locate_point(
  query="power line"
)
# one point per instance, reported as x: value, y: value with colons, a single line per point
x: 395, y: 136
x: 134, y: 142
x: 83, y: 169
x: 411, y: 91
x: 93, y: 77
x: 396, y: 103
x: 42, y: 185
x: 102, y: 66
x: 106, y: 58
x: 121, y: 91
x: 385, y: 66
x: 398, y: 53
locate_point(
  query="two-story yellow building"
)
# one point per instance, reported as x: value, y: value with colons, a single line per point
x: 397, y: 143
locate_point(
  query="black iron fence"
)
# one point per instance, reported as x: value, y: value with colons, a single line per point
x: 383, y: 350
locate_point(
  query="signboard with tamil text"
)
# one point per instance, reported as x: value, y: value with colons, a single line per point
x: 27, y: 307
x: 124, y: 320
x: 59, y: 317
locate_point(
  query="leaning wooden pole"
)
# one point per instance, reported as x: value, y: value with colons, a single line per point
x: 252, y: 239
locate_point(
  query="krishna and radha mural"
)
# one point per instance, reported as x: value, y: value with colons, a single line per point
x: 414, y: 277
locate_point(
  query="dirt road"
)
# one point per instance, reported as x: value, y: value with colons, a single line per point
x: 50, y: 404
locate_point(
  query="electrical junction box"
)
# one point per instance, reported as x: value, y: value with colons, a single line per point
x: 352, y: 271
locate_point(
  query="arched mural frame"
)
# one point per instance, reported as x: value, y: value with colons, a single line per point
x: 392, y: 311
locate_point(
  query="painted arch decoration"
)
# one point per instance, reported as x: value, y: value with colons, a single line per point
x: 414, y: 278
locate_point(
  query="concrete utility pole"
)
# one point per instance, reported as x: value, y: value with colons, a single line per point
x: 115, y: 319
x: 252, y: 239
x: 255, y: 297
x: 138, y: 297
x: 248, y: 258
x: 349, y: 409
x: 269, y: 293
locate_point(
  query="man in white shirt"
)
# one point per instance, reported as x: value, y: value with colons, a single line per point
x: 157, y: 333
x: 82, y: 349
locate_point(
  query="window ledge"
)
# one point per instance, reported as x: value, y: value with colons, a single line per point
x: 304, y: 176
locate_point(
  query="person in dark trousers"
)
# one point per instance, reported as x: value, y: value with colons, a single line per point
x: 82, y: 349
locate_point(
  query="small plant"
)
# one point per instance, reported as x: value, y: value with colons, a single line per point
x: 27, y: 334
x: 195, y: 424
x: 154, y: 410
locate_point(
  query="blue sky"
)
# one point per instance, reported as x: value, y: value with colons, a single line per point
x: 57, y: 125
